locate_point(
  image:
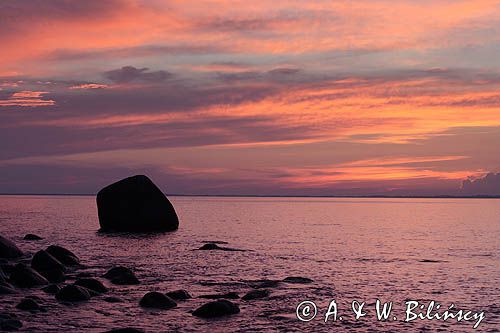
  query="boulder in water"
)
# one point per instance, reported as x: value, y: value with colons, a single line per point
x: 51, y: 289
x: 8, y: 249
x: 135, y: 204
x: 157, y: 300
x: 26, y: 277
x: 28, y: 304
x: 256, y: 294
x: 92, y: 284
x: 179, y: 295
x: 32, y: 237
x: 44, y: 263
x: 297, y: 279
x: 65, y: 256
x: 73, y: 293
x: 121, y: 275
x: 216, y: 309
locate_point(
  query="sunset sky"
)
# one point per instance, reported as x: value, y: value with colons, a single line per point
x: 249, y: 97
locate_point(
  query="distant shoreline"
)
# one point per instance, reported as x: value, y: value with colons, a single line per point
x: 281, y: 196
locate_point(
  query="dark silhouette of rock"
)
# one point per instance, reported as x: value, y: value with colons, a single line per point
x: 26, y: 277
x: 125, y: 330
x: 8, y: 249
x: 256, y: 294
x: 216, y: 309
x: 230, y: 295
x: 113, y: 299
x: 213, y: 246
x: 48, y: 266
x: 157, y: 300
x: 28, y: 304
x: 72, y: 293
x: 179, y: 295
x: 51, y: 289
x: 9, y: 322
x: 32, y: 237
x: 65, y: 256
x: 135, y: 204
x: 92, y: 284
x: 121, y: 276
x: 297, y: 279
x: 54, y: 276
x: 6, y: 289
x: 264, y: 283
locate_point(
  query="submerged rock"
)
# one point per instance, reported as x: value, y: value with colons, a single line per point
x: 297, y: 279
x: 65, y: 256
x: 216, y: 309
x: 51, y: 289
x: 92, y: 284
x: 256, y: 294
x: 264, y: 283
x: 213, y: 246
x: 157, y: 300
x: 135, y: 204
x: 121, y: 276
x: 9, y: 322
x: 28, y: 304
x: 179, y: 295
x: 25, y: 277
x: 8, y: 249
x: 32, y: 237
x: 73, y: 293
x: 113, y: 299
x: 230, y: 295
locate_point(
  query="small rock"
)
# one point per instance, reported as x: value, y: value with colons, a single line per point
x: 121, y: 276
x: 10, y: 324
x: 92, y: 284
x: 28, y: 304
x: 213, y: 246
x: 256, y: 294
x: 297, y: 279
x: 51, y: 289
x: 265, y: 284
x: 216, y: 309
x: 8, y: 249
x: 72, y: 293
x: 112, y: 299
x: 125, y: 330
x: 65, y: 256
x: 230, y: 295
x: 26, y: 277
x: 157, y: 300
x: 32, y: 237
x: 179, y: 295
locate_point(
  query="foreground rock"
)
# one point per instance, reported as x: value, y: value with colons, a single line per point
x: 28, y: 304
x: 135, y: 204
x: 179, y: 295
x: 216, y: 309
x: 230, y: 295
x: 8, y: 249
x: 32, y: 237
x: 51, y: 289
x: 9, y: 322
x: 25, y: 277
x: 297, y: 279
x: 256, y: 294
x: 6, y: 288
x: 213, y: 246
x: 121, y: 276
x: 92, y: 284
x: 72, y: 293
x: 48, y: 266
x: 65, y: 256
x: 157, y: 300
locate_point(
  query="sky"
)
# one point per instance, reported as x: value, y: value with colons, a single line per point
x: 297, y: 97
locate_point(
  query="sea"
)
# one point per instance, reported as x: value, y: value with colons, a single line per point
x: 357, y: 254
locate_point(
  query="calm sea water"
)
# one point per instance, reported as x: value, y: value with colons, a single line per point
x: 447, y: 250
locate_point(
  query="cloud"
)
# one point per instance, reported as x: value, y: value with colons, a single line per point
x: 130, y: 73
x: 486, y: 185
x: 27, y: 98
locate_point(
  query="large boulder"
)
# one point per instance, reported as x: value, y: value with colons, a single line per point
x: 8, y: 249
x: 157, y: 300
x: 135, y: 204
x: 92, y: 284
x: 26, y: 277
x: 216, y: 309
x: 63, y: 255
x: 73, y: 293
x: 121, y: 276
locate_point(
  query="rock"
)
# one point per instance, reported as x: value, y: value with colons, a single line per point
x: 157, y: 300
x: 121, y: 275
x: 179, y: 295
x: 54, y: 276
x: 256, y: 294
x: 28, y: 304
x: 213, y: 246
x: 230, y: 295
x: 8, y: 249
x: 297, y: 279
x: 10, y: 324
x: 135, y: 204
x: 216, y: 309
x: 65, y: 256
x: 48, y: 266
x: 112, y: 299
x: 125, y: 330
x: 257, y: 284
x: 25, y: 277
x: 92, y: 284
x: 72, y: 293
x: 6, y: 289
x: 32, y: 237
x: 51, y: 289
